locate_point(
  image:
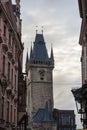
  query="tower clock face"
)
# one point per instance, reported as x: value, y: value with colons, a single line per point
x: 42, y: 74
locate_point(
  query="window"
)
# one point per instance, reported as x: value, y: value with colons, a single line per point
x: 13, y: 46
x: 65, y: 120
x: 2, y: 108
x: 11, y: 114
x: 4, y: 31
x: 15, y: 81
x: 8, y: 71
x: 7, y: 111
x: 3, y: 70
x: 12, y: 76
x: 9, y: 39
x: 14, y: 115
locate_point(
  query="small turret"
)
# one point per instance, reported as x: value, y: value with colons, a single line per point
x: 51, y: 55
x: 31, y: 53
x: 17, y: 7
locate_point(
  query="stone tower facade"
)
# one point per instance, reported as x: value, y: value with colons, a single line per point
x: 39, y: 68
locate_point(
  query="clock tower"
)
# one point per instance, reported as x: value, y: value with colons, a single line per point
x: 39, y: 68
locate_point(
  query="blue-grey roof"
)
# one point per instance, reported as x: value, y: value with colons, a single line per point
x: 39, y: 51
x: 43, y: 115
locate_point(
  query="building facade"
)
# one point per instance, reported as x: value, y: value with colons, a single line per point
x: 80, y: 94
x: 39, y: 68
x: 11, y: 50
x: 65, y: 119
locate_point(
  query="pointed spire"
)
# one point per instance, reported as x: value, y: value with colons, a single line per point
x: 51, y: 55
x: 31, y: 52
x: 27, y: 57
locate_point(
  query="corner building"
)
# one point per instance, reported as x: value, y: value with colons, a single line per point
x: 11, y: 50
x: 80, y: 94
x: 39, y: 68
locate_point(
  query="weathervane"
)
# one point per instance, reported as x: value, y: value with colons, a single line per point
x: 42, y: 29
x: 36, y: 29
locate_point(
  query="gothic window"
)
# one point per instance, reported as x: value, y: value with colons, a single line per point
x: 9, y: 39
x: 11, y: 114
x: 2, y: 108
x: 4, y: 31
x: 3, y: 65
x: 8, y: 71
x: 7, y: 111
x: 15, y: 82
x: 13, y: 46
x: 14, y: 115
x: 12, y: 75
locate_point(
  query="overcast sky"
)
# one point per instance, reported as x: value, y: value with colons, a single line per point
x: 61, y: 25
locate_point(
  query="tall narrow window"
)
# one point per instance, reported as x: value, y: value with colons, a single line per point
x: 8, y: 71
x: 4, y: 31
x: 14, y: 115
x: 2, y: 108
x: 15, y: 82
x: 12, y: 77
x: 13, y: 46
x: 3, y: 69
x: 9, y: 39
x: 7, y: 111
x: 11, y: 114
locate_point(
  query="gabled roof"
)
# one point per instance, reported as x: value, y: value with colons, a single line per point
x: 43, y: 115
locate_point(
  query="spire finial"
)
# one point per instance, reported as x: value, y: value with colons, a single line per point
x: 42, y: 29
x: 36, y: 29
